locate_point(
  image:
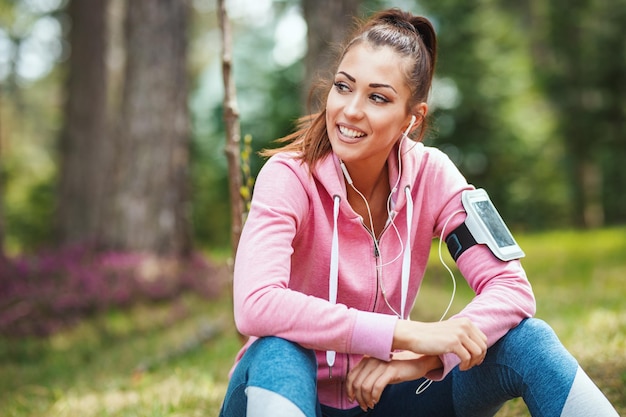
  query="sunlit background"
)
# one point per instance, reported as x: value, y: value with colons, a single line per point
x: 529, y: 101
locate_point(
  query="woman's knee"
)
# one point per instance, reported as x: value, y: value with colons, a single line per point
x: 533, y: 342
x: 271, y: 354
x: 278, y: 366
x: 287, y: 370
x: 533, y: 331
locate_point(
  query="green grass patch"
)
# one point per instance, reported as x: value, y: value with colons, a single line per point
x: 172, y: 359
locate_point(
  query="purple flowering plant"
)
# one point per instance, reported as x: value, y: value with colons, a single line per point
x: 53, y: 289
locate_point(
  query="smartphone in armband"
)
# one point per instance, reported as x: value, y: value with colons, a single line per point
x: 487, y: 227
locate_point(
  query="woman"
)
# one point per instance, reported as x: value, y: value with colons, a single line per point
x: 334, y: 250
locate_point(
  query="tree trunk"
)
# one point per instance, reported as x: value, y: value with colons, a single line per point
x: 329, y: 22
x: 82, y: 165
x: 591, y: 185
x: 148, y: 207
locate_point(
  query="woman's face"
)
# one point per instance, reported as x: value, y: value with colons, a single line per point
x: 366, y: 110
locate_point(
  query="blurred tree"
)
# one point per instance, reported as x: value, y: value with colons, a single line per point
x: 85, y: 157
x: 478, y: 57
x: 147, y: 197
x: 328, y: 23
x: 125, y: 185
x: 490, y: 116
x: 579, y: 49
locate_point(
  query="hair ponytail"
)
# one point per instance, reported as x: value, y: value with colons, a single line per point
x: 427, y: 33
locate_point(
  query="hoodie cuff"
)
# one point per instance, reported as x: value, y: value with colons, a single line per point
x: 450, y: 361
x: 373, y: 335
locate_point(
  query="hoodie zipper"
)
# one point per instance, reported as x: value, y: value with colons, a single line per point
x: 376, y: 261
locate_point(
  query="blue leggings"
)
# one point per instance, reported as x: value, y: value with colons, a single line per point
x: 528, y: 362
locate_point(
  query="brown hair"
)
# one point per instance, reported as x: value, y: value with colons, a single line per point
x: 410, y: 36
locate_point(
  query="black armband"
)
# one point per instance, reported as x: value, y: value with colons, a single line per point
x: 460, y: 240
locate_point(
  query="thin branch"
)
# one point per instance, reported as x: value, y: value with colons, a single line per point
x: 233, y: 134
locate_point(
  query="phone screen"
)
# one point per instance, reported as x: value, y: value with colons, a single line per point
x: 490, y: 217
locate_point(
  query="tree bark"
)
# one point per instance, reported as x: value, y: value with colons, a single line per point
x: 148, y: 205
x: 82, y: 155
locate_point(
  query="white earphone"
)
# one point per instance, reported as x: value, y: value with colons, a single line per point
x: 408, y: 129
x: 404, y: 135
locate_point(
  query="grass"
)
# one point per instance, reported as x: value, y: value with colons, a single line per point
x: 172, y: 359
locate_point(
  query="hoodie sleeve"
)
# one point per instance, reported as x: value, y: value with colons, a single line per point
x: 264, y: 304
x: 504, y: 296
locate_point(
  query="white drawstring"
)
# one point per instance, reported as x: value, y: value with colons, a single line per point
x: 333, y: 277
x: 406, y: 260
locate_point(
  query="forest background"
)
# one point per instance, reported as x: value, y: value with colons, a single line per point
x: 122, y: 140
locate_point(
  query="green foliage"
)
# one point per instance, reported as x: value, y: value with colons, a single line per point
x: 499, y: 129
x: 531, y: 88
x: 210, y: 206
x: 29, y: 123
x: 248, y: 179
x: 579, y: 50
x: 28, y: 216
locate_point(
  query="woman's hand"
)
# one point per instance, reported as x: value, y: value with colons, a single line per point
x: 459, y: 336
x: 366, y: 381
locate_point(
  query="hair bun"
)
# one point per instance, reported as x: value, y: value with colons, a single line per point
x: 410, y: 23
x: 398, y: 19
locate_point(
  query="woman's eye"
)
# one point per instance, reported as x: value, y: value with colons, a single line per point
x: 377, y: 98
x: 341, y: 86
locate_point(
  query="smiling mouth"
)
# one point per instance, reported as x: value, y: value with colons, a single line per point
x: 350, y: 133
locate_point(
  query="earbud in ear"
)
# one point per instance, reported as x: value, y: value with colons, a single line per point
x: 408, y: 129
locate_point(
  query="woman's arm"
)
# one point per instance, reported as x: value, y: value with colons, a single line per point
x: 458, y: 336
x: 420, y: 345
x: 268, y: 299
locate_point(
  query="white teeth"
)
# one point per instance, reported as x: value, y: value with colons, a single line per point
x: 350, y: 133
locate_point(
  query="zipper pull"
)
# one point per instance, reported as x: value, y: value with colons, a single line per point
x: 330, y: 372
x: 376, y: 252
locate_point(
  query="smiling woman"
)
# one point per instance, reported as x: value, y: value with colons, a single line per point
x: 367, y: 113
x: 335, y: 248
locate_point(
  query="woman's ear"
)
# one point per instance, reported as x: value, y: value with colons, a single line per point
x: 419, y: 111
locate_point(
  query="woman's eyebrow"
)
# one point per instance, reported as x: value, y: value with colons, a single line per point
x: 373, y: 85
x: 348, y: 76
x: 376, y: 85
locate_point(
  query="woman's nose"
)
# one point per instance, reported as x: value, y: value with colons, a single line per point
x: 354, y: 107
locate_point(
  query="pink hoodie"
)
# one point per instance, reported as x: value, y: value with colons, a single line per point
x: 283, y: 263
